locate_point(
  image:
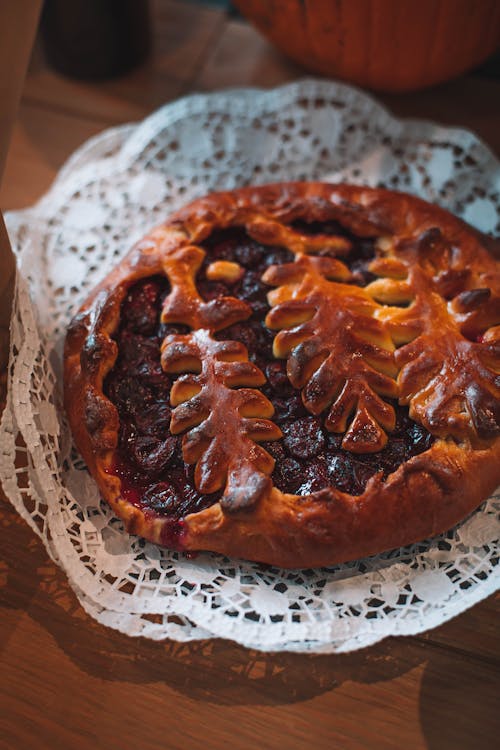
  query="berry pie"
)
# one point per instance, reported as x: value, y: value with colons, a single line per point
x: 299, y: 374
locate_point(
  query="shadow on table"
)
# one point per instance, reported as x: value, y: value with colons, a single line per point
x: 458, y: 703
x: 215, y: 670
x: 457, y: 695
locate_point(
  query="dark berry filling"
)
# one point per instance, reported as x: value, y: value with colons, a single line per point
x: 308, y: 458
x: 149, y: 459
x: 327, y: 463
x: 236, y: 246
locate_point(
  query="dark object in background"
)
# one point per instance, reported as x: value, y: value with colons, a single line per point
x: 95, y: 39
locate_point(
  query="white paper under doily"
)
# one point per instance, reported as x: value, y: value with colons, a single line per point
x: 110, y: 193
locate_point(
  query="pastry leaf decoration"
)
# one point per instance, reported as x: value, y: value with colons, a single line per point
x: 272, y: 232
x: 338, y: 353
x: 184, y: 303
x: 223, y: 415
x: 451, y: 382
x: 449, y: 351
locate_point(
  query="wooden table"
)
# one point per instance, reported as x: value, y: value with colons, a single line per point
x: 67, y: 682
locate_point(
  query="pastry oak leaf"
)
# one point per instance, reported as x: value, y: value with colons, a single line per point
x: 270, y: 232
x: 448, y: 336
x: 450, y: 382
x: 223, y: 415
x: 184, y: 303
x: 338, y: 353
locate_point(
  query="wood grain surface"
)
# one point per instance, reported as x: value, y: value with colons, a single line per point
x: 68, y: 682
x: 21, y: 18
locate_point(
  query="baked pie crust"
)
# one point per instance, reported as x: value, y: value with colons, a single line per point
x: 408, y: 330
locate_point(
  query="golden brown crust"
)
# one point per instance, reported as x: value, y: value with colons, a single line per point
x: 431, y: 261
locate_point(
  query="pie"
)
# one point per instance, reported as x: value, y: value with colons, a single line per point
x: 299, y: 374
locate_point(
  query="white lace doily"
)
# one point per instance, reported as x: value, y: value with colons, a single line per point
x: 110, y: 193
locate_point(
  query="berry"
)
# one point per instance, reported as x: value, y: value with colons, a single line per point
x: 140, y: 310
x: 152, y: 456
x: 288, y: 475
x: 164, y: 498
x: 278, y: 379
x: 304, y: 438
x: 313, y: 477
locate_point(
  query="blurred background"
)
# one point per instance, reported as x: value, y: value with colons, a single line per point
x: 68, y: 682
x: 388, y: 45
x: 98, y: 63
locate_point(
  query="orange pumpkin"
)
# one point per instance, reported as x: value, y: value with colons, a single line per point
x: 390, y: 45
